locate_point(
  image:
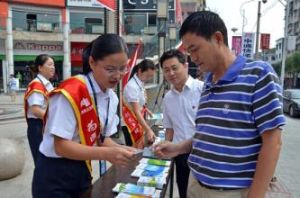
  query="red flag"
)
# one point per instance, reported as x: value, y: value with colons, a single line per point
x: 179, y: 18
x: 131, y: 64
x: 109, y: 4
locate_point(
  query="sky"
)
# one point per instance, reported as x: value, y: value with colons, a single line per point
x: 272, y: 16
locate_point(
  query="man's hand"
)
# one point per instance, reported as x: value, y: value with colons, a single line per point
x: 166, y: 150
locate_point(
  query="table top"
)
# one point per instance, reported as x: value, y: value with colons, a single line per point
x: 116, y: 174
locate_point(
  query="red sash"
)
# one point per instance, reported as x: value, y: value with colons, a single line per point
x: 34, y: 86
x: 134, y: 127
x: 76, y: 92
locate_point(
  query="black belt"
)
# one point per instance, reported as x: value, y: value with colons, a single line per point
x: 217, y: 188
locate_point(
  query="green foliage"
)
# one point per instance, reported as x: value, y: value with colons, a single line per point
x: 293, y: 62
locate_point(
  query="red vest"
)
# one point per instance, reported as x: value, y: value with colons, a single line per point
x: 34, y: 86
x: 134, y: 127
x: 76, y: 92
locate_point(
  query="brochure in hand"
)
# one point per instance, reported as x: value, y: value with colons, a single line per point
x: 134, y: 189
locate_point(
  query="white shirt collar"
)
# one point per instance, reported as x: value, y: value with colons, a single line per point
x: 140, y: 83
x: 188, y: 84
x: 44, y: 80
x: 98, y: 90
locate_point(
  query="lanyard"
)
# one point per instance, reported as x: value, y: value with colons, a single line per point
x: 141, y: 88
x: 102, y: 137
x: 41, y: 82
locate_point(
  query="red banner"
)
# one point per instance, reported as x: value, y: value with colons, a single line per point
x: 131, y: 64
x: 264, y: 41
x: 109, y: 4
x: 179, y: 17
x: 237, y: 44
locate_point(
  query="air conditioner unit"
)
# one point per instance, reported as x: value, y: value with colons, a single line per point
x: 97, y: 29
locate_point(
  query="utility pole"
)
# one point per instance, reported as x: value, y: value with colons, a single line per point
x: 257, y: 30
x: 284, y: 50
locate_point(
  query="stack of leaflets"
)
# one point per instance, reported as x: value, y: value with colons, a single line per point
x: 149, y: 170
x: 126, y: 195
x: 157, y: 162
x: 133, y: 189
x: 157, y: 182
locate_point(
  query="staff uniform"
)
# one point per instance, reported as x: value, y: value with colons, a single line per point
x: 54, y: 175
x: 134, y: 91
x: 179, y: 110
x: 35, y: 124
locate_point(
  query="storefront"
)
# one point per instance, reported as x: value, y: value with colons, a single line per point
x: 76, y: 57
x: 25, y: 53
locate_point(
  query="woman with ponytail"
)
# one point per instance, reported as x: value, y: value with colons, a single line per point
x: 36, y: 100
x: 135, y: 105
x: 81, y: 118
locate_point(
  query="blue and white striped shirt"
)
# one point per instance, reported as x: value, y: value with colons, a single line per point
x: 232, y: 115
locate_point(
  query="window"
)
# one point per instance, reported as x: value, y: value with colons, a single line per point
x: 135, y: 23
x: 87, y: 22
x: 25, y: 20
x: 152, y: 20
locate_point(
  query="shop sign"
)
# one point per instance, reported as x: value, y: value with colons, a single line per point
x: 29, y: 48
x: 144, y: 5
x: 84, y: 3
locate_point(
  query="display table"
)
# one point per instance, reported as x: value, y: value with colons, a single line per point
x: 115, y: 174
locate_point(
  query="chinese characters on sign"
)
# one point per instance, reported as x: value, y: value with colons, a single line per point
x: 248, y: 44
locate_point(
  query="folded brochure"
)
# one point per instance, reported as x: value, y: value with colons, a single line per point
x: 134, y: 189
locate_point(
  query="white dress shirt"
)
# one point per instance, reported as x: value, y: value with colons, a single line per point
x: 180, y: 108
x: 134, y: 91
x: 61, y: 120
x: 38, y: 98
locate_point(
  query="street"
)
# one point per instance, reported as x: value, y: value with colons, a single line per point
x: 288, y: 170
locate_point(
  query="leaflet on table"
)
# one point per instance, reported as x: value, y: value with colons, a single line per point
x: 157, y: 162
x: 126, y: 195
x: 140, y: 172
x: 155, y: 116
x: 150, y: 167
x: 157, y: 182
x: 134, y: 189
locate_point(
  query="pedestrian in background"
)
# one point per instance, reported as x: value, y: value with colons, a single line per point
x: 179, y: 109
x: 82, y: 115
x: 237, y: 142
x: 13, y: 87
x: 36, y: 101
x: 135, y: 100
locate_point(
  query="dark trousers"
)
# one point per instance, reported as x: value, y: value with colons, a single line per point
x: 182, y: 174
x: 127, y: 137
x: 35, y: 136
x: 60, y: 178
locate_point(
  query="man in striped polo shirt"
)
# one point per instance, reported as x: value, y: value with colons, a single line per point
x: 237, y: 142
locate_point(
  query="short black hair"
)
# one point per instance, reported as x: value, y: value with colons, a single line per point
x: 102, y: 47
x: 172, y: 54
x: 205, y: 24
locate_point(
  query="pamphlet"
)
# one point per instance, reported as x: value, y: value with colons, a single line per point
x: 157, y: 182
x: 126, y: 195
x: 134, y: 189
x: 157, y: 162
x: 155, y: 116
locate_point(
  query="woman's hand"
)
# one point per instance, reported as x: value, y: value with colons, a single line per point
x: 120, y: 156
x: 150, y: 136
